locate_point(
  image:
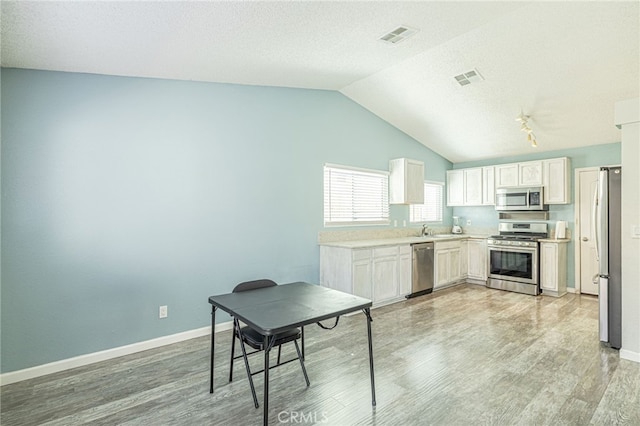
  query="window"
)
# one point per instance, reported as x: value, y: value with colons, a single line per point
x: 355, y: 196
x: 431, y: 210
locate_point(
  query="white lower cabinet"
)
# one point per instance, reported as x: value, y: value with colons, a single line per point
x: 361, y: 275
x: 448, y: 263
x: 382, y: 274
x: 404, y: 269
x: 553, y: 267
x: 477, y: 260
x: 385, y: 274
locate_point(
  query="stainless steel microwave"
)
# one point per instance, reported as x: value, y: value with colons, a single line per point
x: 520, y: 199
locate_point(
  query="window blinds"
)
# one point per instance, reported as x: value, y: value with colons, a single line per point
x: 431, y: 210
x: 355, y: 196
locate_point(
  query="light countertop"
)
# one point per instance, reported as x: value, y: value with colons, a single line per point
x: 400, y: 241
x: 554, y: 240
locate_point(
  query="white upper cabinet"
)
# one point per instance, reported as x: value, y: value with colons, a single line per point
x: 530, y: 173
x: 473, y: 186
x: 406, y: 181
x: 488, y: 186
x: 557, y: 181
x: 455, y: 187
x: 519, y: 174
x: 506, y: 175
x: 470, y: 187
x: 477, y: 186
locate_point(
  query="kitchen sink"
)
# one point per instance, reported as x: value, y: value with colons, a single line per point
x: 436, y: 237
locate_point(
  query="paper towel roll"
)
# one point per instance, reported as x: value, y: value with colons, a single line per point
x: 561, y: 229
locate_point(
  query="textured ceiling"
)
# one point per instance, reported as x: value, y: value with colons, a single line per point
x: 563, y: 63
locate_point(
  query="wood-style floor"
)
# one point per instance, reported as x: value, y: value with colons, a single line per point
x: 461, y: 356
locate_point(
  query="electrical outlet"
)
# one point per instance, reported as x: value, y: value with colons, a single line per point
x: 163, y: 312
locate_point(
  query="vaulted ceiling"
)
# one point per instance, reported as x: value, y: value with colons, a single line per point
x: 564, y: 64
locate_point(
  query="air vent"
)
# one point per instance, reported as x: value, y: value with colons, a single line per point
x: 469, y: 77
x: 397, y: 35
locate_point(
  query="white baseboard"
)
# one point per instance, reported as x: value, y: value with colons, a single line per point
x: 629, y: 355
x: 79, y: 361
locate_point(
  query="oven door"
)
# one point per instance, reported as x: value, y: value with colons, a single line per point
x: 514, y: 264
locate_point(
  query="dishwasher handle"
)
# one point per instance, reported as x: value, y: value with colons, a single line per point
x: 423, y: 246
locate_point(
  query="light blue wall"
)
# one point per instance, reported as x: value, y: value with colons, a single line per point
x: 123, y: 194
x: 598, y: 155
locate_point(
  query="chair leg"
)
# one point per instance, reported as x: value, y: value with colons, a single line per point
x: 233, y: 352
x: 304, y: 370
x: 246, y: 365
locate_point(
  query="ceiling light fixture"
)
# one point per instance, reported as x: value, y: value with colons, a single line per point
x: 524, y: 126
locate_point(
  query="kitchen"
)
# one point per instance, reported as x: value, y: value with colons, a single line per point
x: 144, y: 190
x: 526, y: 217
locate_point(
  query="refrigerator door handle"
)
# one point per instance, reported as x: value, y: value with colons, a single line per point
x: 603, y: 222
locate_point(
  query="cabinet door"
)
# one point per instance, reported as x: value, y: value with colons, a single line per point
x: 385, y: 278
x: 477, y: 260
x: 557, y: 180
x: 488, y: 186
x: 455, y: 187
x: 362, y: 278
x: 406, y: 181
x: 506, y: 175
x: 442, y: 268
x: 415, y: 182
x: 404, y: 270
x: 455, y: 263
x: 464, y: 248
x: 548, y: 269
x: 530, y: 173
x: 473, y: 187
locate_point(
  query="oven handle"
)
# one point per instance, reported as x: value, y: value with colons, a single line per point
x: 513, y: 248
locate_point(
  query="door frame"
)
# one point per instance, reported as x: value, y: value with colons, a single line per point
x: 577, y: 280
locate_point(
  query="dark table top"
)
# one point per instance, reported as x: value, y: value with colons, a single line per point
x: 272, y: 310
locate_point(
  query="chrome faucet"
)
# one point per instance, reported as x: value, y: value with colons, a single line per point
x: 426, y: 231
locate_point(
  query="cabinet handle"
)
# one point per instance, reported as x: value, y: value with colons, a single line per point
x: 585, y: 239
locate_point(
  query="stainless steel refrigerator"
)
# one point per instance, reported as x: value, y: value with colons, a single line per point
x: 608, y: 218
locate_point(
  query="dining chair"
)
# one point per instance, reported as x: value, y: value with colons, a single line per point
x: 247, y: 335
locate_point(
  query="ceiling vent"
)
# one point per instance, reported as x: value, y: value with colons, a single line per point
x: 469, y: 77
x: 397, y: 35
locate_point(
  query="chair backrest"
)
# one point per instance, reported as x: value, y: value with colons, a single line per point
x: 252, y: 285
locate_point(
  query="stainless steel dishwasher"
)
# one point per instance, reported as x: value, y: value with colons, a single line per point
x: 421, y: 269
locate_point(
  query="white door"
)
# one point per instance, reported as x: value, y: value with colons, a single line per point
x: 587, y: 181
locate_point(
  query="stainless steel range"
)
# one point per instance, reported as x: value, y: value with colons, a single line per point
x: 513, y: 257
